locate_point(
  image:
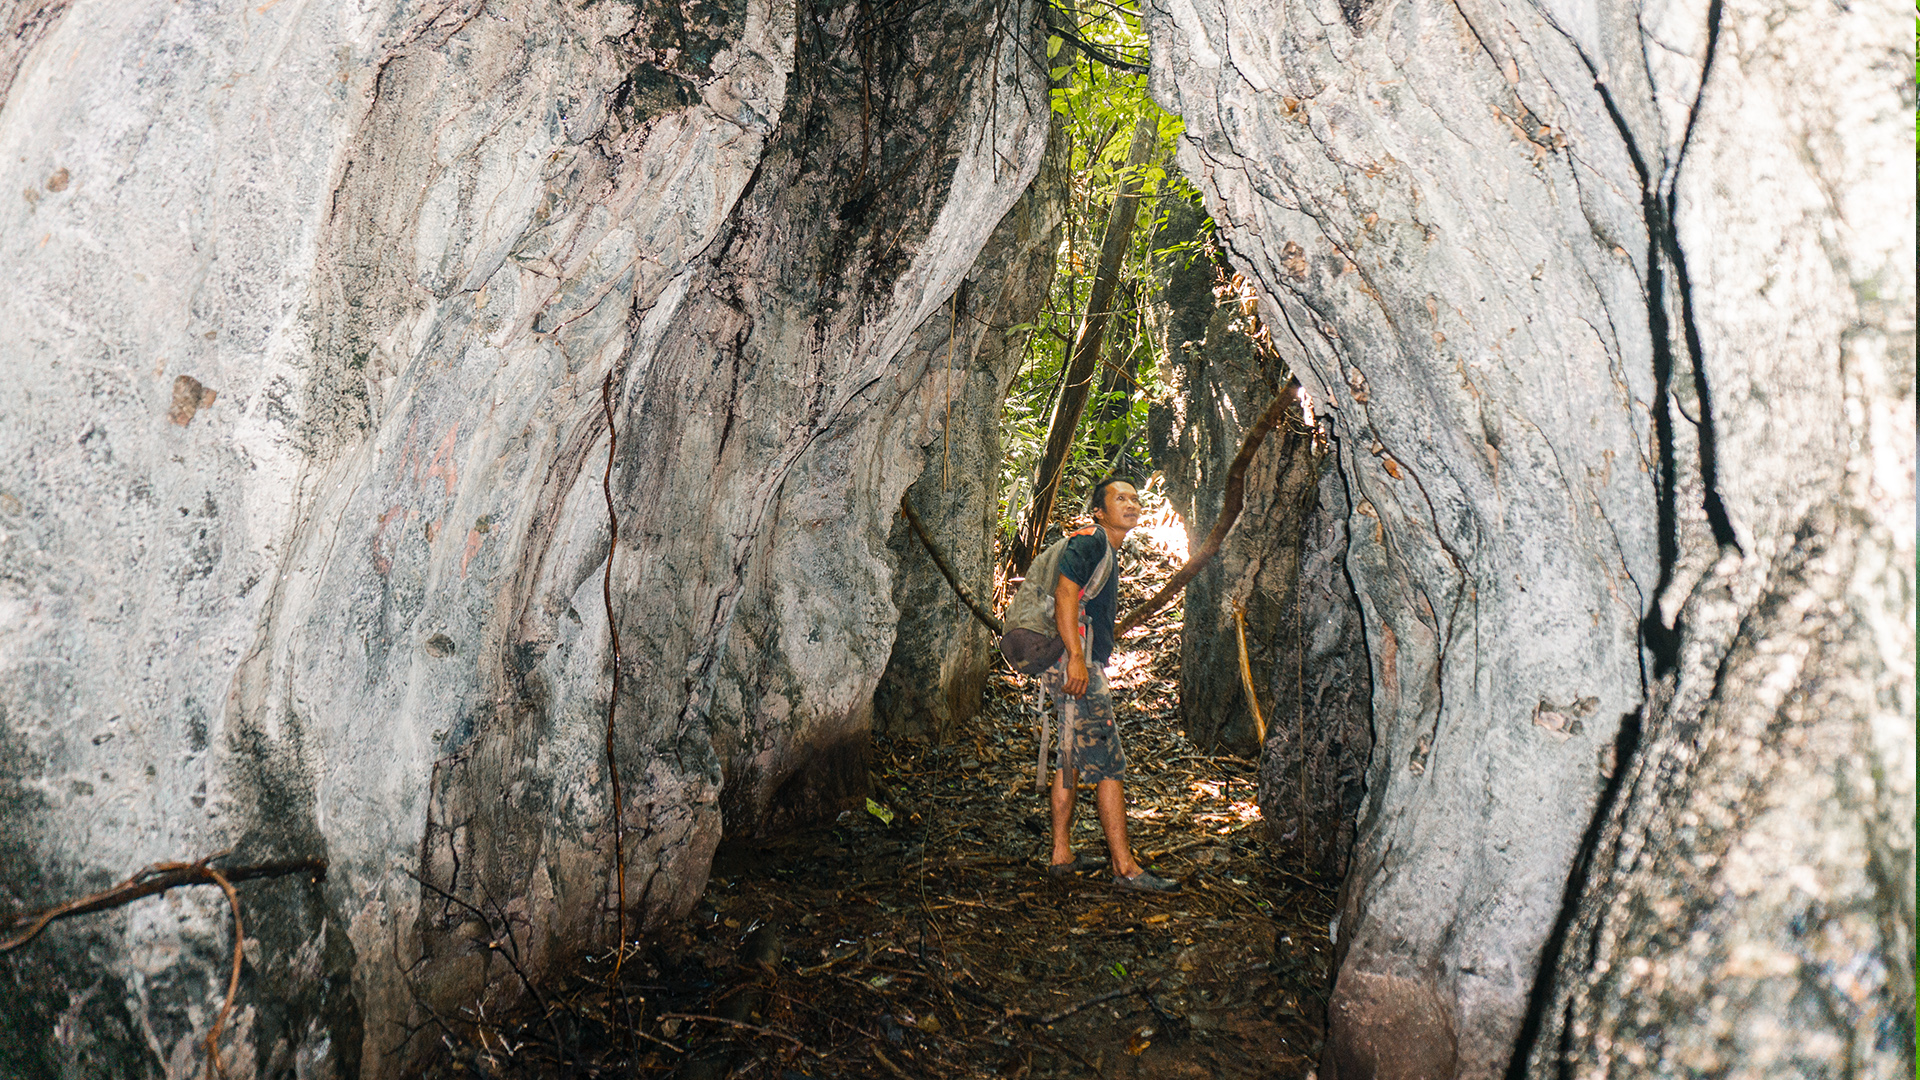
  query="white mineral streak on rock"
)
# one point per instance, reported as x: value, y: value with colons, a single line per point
x: 1194, y: 33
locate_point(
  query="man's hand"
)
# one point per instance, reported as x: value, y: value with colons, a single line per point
x: 1076, y: 683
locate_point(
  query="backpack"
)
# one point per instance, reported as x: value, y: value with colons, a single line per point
x: 1032, y: 642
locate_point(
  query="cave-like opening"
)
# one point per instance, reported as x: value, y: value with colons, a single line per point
x: 367, y: 378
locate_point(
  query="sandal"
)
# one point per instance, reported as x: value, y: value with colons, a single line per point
x: 1145, y: 881
x: 1081, y: 864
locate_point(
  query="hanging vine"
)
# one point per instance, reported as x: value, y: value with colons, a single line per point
x: 613, y: 694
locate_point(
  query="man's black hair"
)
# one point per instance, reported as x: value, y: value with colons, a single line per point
x: 1097, y: 498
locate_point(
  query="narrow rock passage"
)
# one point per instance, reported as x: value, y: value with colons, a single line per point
x: 922, y: 937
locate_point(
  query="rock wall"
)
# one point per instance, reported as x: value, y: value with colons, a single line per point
x: 1313, y: 768
x: 1218, y: 382
x: 1632, y: 507
x: 1283, y: 562
x: 936, y: 678
x: 301, y: 462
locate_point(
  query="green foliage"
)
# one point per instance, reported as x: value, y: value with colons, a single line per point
x: 1099, y: 106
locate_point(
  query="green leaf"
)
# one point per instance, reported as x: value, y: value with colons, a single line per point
x: 885, y: 815
x: 1054, y: 41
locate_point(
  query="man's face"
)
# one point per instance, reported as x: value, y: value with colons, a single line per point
x: 1122, y: 506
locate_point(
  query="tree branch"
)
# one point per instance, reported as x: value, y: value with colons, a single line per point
x: 157, y: 878
x: 1057, y: 23
x: 980, y: 611
x: 1233, y: 498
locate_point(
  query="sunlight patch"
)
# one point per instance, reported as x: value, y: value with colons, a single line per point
x: 1163, y: 529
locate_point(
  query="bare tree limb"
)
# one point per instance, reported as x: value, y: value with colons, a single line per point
x: 1098, y: 999
x: 155, y: 879
x: 1057, y: 22
x: 158, y: 878
x: 1246, y: 669
x: 980, y: 611
x: 1233, y: 498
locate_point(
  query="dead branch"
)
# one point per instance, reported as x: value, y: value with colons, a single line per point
x: 980, y: 611
x: 153, y: 880
x: 511, y: 954
x: 1058, y: 22
x: 1246, y: 669
x: 158, y: 878
x: 1098, y: 999
x: 741, y: 1024
x: 891, y: 1067
x: 1233, y: 498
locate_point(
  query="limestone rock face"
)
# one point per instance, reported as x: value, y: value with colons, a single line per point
x: 301, y: 461
x: 1283, y: 563
x: 936, y: 677
x: 1613, y: 307
x: 1219, y: 382
x: 1313, y: 767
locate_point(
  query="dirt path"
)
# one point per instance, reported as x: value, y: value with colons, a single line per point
x: 923, y: 938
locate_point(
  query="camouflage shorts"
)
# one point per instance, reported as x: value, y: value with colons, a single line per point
x: 1096, y: 753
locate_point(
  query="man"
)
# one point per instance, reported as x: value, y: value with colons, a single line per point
x: 1078, y: 684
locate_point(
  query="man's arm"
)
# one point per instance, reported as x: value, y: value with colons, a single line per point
x: 1066, y: 619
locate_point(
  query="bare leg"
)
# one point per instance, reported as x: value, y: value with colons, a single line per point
x: 1112, y: 805
x: 1061, y: 798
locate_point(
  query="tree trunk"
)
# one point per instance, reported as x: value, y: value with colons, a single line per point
x: 1120, y: 374
x: 1631, y: 467
x: 1085, y: 356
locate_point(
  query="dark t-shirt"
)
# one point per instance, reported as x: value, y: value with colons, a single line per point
x: 1078, y: 562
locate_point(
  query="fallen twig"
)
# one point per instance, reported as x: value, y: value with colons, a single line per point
x: 891, y: 1067
x: 1082, y: 1058
x: 741, y: 1024
x: 1098, y: 999
x: 1180, y: 849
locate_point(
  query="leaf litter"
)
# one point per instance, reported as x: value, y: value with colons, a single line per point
x: 919, y: 936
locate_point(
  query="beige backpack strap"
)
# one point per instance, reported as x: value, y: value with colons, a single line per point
x: 1098, y: 579
x: 1040, y: 738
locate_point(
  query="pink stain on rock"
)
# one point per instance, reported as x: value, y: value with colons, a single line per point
x: 443, y: 466
x: 474, y: 536
x: 381, y: 561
